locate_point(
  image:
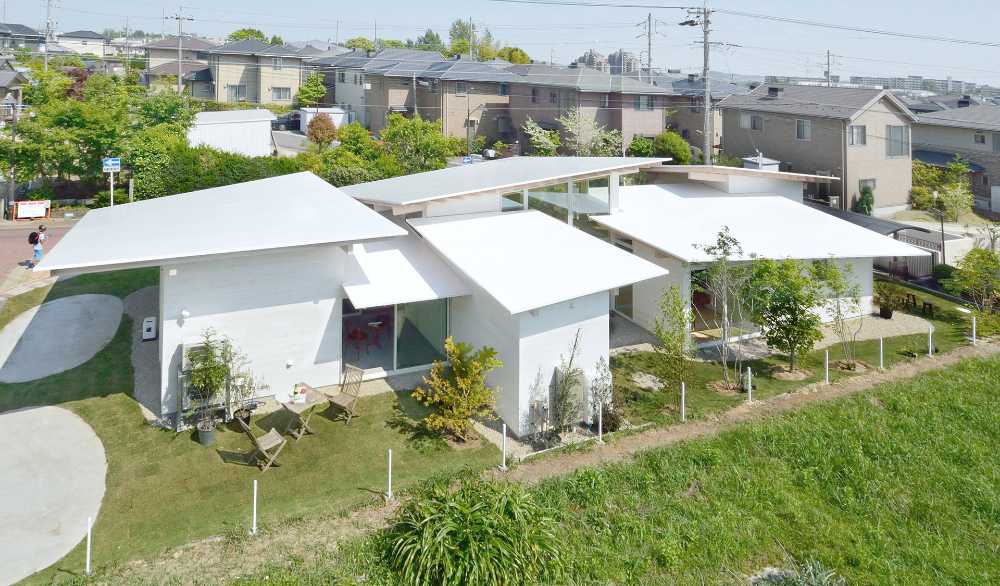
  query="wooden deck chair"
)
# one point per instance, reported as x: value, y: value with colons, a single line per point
x: 266, y: 447
x: 350, y: 389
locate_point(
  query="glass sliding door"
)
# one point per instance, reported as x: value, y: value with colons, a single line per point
x: 420, y: 332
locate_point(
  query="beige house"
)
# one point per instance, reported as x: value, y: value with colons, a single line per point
x: 859, y: 135
x: 253, y: 71
x: 163, y: 51
x: 972, y: 133
x: 163, y: 66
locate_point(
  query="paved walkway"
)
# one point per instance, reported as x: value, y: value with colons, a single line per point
x: 57, y: 336
x: 53, y: 470
x: 874, y: 327
x: 145, y: 355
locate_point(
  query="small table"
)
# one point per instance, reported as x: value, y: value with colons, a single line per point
x: 300, y: 413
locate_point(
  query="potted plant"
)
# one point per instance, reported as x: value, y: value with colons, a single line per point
x: 242, y: 386
x: 207, y: 378
x: 888, y: 298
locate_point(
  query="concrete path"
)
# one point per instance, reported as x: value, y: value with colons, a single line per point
x: 873, y: 327
x: 57, y: 336
x: 53, y: 469
x: 145, y: 355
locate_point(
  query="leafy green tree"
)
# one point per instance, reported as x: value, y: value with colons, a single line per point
x: 977, y: 277
x: 429, y: 41
x: 544, y: 143
x: 672, y: 328
x: 321, y: 130
x: 461, y: 31
x: 276, y: 40
x: 245, y: 34
x: 312, y: 90
x: 640, y: 147
x: 418, y: 144
x: 514, y: 55
x: 392, y: 44
x: 360, y: 43
x: 355, y: 138
x: 164, y: 108
x: 148, y: 154
x: 789, y: 295
x: 670, y: 144
x: 951, y: 183
x: 457, y: 389
x: 865, y: 202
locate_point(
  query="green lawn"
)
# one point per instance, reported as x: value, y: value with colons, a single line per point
x: 951, y: 328
x: 898, y: 485
x: 965, y: 218
x: 164, y: 489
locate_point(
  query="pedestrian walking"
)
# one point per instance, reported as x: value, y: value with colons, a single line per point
x: 35, y: 239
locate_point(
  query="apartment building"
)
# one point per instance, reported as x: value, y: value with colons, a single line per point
x: 860, y: 135
x: 253, y: 71
x: 972, y: 133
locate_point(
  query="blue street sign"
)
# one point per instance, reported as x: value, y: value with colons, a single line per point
x: 467, y: 160
x: 111, y: 164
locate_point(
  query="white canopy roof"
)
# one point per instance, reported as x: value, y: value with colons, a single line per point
x: 766, y: 226
x: 227, y: 116
x: 526, y: 260
x: 280, y: 212
x: 400, y: 270
x: 491, y: 176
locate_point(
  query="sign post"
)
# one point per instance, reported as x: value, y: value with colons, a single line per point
x: 111, y: 165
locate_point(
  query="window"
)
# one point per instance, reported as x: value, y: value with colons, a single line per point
x: 553, y: 97
x: 534, y: 95
x: 606, y: 101
x: 996, y: 142
x: 803, y: 130
x: 979, y: 138
x: 858, y: 135
x: 356, y: 79
x: 236, y: 93
x: 644, y: 102
x: 460, y: 87
x: 503, y: 90
x: 281, y: 94
x: 276, y: 63
x: 341, y: 77
x: 897, y: 141
x: 750, y: 121
x: 869, y: 183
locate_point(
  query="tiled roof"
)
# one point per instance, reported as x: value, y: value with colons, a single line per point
x: 192, y: 43
x: 190, y: 70
x: 254, y: 47
x: 18, y: 29
x: 83, y: 35
x: 583, y: 79
x: 803, y: 100
x: 984, y: 117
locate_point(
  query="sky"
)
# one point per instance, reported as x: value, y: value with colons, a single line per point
x: 562, y: 33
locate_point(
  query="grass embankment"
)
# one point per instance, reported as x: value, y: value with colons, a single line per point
x: 898, y: 485
x: 951, y: 328
x: 165, y: 489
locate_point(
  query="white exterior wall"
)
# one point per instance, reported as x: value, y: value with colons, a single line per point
x: 338, y: 115
x: 277, y: 306
x: 249, y: 138
x: 646, y: 295
x: 478, y: 204
x: 545, y: 338
x: 859, y: 272
x: 741, y: 184
x: 352, y: 95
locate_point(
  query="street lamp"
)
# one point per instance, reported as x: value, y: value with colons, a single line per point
x: 940, y: 213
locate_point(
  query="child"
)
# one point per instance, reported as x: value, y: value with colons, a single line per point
x: 37, y: 247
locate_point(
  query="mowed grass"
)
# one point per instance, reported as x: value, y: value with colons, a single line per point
x: 898, y: 485
x: 164, y: 489
x: 951, y: 330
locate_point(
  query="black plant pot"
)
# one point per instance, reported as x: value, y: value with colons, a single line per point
x: 885, y: 312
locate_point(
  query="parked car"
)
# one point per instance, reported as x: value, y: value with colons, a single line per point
x: 287, y: 121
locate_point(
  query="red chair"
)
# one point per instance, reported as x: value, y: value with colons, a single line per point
x: 357, y: 336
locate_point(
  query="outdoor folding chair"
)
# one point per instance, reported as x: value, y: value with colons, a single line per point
x: 267, y: 447
x: 350, y: 388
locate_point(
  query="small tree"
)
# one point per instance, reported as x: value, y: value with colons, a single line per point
x: 418, y: 144
x: 865, y: 202
x: 457, y: 389
x: 842, y: 304
x: 977, y: 276
x: 544, y: 143
x: 208, y: 373
x: 276, y: 40
x: 789, y: 298
x: 601, y: 391
x: 672, y: 329
x: 245, y: 34
x: 640, y: 147
x: 514, y: 55
x: 989, y: 236
x: 321, y: 130
x: 312, y: 90
x: 565, y: 403
x: 670, y: 144
x: 585, y: 137
x: 360, y: 44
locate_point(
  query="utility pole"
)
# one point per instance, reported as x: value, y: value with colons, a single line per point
x: 127, y: 59
x: 703, y: 17
x: 375, y: 40
x: 472, y: 37
x: 827, y: 68
x: 48, y: 31
x: 180, y: 18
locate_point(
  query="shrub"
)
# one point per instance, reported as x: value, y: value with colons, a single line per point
x: 977, y: 277
x: 640, y: 147
x: 670, y: 144
x: 865, y: 202
x: 888, y: 295
x: 458, y: 389
x: 480, y: 532
x: 942, y: 272
x: 321, y: 130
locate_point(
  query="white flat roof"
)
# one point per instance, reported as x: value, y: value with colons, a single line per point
x: 701, y: 170
x: 291, y: 210
x: 526, y: 260
x: 766, y: 226
x: 226, y: 116
x: 500, y: 175
x: 399, y: 270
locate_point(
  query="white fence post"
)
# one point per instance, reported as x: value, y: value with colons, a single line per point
x: 683, y: 404
x: 930, y: 340
x: 749, y: 385
x: 600, y: 423
x: 90, y: 531
x: 388, y: 494
x: 826, y: 366
x: 253, y: 521
x: 973, y: 330
x: 503, y: 449
x: 881, y: 354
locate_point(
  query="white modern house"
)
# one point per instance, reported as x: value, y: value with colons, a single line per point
x: 305, y: 277
x: 241, y: 132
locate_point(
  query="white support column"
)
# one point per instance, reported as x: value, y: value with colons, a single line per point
x: 570, y: 200
x: 524, y: 198
x: 614, y: 198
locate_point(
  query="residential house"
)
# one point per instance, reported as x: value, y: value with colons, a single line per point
x: 18, y: 36
x: 859, y: 135
x: 972, y: 133
x: 324, y: 280
x: 685, y: 114
x: 84, y: 42
x: 944, y: 102
x: 165, y: 61
x: 253, y: 71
